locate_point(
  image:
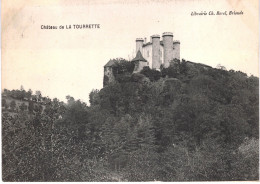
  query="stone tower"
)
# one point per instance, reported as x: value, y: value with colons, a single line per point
x: 108, y: 73
x: 139, y: 61
x: 139, y: 45
x: 156, y: 52
x: 176, y: 49
x: 168, y: 48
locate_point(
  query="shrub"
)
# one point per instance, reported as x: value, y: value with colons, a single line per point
x: 153, y: 74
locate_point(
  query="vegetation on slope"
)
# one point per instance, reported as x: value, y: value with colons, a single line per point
x: 188, y: 122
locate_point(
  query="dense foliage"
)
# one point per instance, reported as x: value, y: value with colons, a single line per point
x: 190, y: 123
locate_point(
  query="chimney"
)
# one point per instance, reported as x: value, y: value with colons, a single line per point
x: 145, y: 40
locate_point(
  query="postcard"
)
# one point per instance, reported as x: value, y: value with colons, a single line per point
x: 130, y: 90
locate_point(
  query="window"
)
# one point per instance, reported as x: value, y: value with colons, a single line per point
x: 148, y: 53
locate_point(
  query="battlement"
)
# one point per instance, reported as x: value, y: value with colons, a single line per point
x: 139, y: 39
x: 176, y: 41
x: 155, y: 36
x: 167, y: 34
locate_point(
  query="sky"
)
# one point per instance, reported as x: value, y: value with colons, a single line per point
x: 65, y: 62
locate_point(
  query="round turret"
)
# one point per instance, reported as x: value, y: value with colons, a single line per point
x: 139, y: 44
x: 167, y: 34
x: 156, y: 51
x: 176, y: 49
x: 140, y: 39
x: 168, y: 48
x: 155, y: 36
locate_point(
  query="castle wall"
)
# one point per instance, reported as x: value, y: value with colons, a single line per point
x: 168, y: 48
x: 108, y: 74
x: 176, y: 50
x: 147, y: 54
x: 139, y: 66
x: 156, y: 52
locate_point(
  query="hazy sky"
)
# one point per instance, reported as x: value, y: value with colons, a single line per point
x: 70, y: 61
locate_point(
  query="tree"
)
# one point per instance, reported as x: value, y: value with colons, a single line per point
x: 3, y: 102
x: 70, y: 99
x: 221, y: 67
x: 198, y: 124
x: 30, y: 106
x: 6, y: 106
x: 38, y: 108
x: 23, y: 107
x: 12, y: 105
x: 94, y: 97
x: 30, y: 91
x: 21, y: 88
x: 6, y: 92
x: 38, y: 95
x: 153, y: 74
x: 122, y: 66
x: 248, y: 154
x: 29, y: 94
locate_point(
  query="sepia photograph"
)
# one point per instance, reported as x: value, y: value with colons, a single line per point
x: 129, y: 91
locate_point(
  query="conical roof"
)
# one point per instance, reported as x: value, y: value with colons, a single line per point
x: 110, y: 63
x: 139, y: 57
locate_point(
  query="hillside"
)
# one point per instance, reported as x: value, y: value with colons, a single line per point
x: 189, y: 122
